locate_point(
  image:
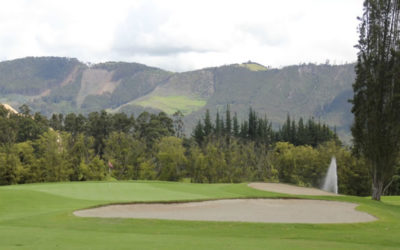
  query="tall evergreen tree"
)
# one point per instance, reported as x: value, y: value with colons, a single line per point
x: 252, y: 124
x: 207, y: 124
x: 198, y: 133
x: 217, y: 124
x: 228, y: 121
x: 376, y: 102
x: 236, y: 128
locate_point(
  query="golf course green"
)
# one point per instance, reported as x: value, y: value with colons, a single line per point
x: 40, y: 216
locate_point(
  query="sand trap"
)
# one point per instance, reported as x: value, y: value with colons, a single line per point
x: 288, y: 189
x: 245, y: 210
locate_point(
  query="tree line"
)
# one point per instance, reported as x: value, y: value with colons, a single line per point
x: 103, y: 146
x: 259, y: 129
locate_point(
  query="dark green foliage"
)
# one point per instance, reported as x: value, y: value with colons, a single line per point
x: 235, y: 125
x: 198, y: 133
x: 153, y: 127
x: 74, y: 124
x: 102, y: 146
x: 208, y: 127
x: 8, y: 131
x: 260, y: 130
x: 376, y: 101
x: 122, y: 123
x: 123, y: 151
x: 228, y: 121
x: 56, y: 121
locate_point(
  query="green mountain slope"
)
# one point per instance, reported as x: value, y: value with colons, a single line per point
x: 62, y: 85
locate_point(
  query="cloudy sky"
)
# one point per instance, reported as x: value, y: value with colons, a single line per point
x: 181, y: 35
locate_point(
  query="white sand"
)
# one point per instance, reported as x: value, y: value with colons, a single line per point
x: 245, y: 210
x: 288, y: 189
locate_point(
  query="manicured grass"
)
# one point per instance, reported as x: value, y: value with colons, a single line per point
x: 39, y: 216
x: 171, y: 104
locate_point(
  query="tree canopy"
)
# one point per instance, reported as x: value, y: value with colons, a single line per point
x: 376, y: 102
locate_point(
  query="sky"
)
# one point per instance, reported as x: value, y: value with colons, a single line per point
x: 182, y: 35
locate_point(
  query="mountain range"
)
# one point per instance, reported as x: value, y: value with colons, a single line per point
x: 63, y: 85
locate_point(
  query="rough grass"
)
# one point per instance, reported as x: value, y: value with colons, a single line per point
x: 39, y: 216
x: 171, y: 104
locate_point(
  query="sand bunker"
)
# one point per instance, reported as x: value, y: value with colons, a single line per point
x: 245, y: 210
x: 288, y: 189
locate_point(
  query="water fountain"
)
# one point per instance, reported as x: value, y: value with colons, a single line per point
x: 330, y: 182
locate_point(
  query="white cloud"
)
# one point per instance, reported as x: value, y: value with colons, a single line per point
x: 182, y: 35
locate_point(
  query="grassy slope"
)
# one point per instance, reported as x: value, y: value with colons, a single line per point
x: 171, y: 104
x: 39, y: 216
x: 253, y: 66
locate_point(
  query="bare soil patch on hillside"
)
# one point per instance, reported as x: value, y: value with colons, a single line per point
x: 95, y: 82
x: 238, y: 210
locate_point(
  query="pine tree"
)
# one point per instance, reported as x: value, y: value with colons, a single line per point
x: 217, y: 125
x: 236, y: 129
x: 207, y: 124
x: 293, y: 133
x: 286, y: 129
x: 228, y: 122
x: 301, y: 133
x: 252, y: 124
x: 376, y: 101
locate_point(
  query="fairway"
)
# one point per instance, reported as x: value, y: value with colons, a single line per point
x: 40, y: 216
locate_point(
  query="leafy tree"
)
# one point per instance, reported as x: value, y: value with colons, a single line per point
x: 198, y: 166
x: 8, y: 131
x: 147, y: 170
x: 80, y: 153
x: 25, y: 110
x: 120, y: 122
x: 30, y: 171
x: 171, y: 158
x: 152, y: 127
x: 52, y: 156
x: 56, y: 121
x: 98, y: 126
x: 10, y: 167
x: 76, y: 124
x: 124, y: 151
x: 376, y: 101
x: 94, y: 170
